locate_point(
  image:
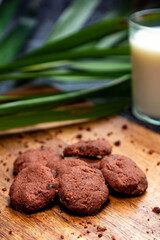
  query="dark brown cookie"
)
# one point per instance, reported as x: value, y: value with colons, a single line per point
x: 45, y: 156
x: 123, y: 175
x: 83, y: 189
x: 91, y: 148
x: 33, y: 188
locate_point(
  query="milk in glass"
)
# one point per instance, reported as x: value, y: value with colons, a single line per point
x: 145, y: 48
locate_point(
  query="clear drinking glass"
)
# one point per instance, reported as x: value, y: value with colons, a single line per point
x: 144, y: 37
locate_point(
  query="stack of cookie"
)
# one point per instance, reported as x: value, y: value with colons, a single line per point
x: 80, y: 178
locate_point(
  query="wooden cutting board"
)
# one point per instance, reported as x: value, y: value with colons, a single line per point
x: 124, y: 218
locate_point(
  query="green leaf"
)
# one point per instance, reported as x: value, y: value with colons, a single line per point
x: 91, y: 112
x: 7, y: 11
x: 69, y: 55
x: 73, y: 18
x: 109, y: 74
x: 13, y: 42
x: 112, y: 40
x: 60, y: 99
x: 102, y: 66
x: 86, y: 69
x: 86, y: 35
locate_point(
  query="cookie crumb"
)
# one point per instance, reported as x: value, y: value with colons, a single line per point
x: 156, y: 210
x: 4, y: 189
x: 100, y: 235
x: 124, y: 126
x: 26, y: 145
x: 150, y: 151
x: 158, y: 163
x: 20, y: 135
x: 61, y: 237
x: 79, y: 136
x: 109, y: 134
x: 7, y: 179
x: 117, y: 143
x: 101, y: 229
x: 39, y: 141
x: 113, y: 238
x: 147, y: 169
x: 89, y: 221
x: 10, y: 232
x: 79, y: 236
x: 88, y: 129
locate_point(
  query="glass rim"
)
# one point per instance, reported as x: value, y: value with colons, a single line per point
x: 134, y: 15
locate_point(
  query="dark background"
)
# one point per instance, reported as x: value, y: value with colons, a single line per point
x: 48, y: 13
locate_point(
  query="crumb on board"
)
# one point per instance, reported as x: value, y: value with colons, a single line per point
x: 61, y: 237
x: 10, y: 232
x: 88, y: 129
x: 158, y: 163
x: 4, y: 189
x: 80, y: 128
x: 124, y: 126
x: 79, y: 136
x: 147, y: 169
x: 156, y: 210
x: 151, y: 151
x: 101, y: 229
x: 7, y: 179
x: 113, y: 238
x: 79, y: 236
x: 109, y: 134
x: 100, y: 235
x: 117, y: 143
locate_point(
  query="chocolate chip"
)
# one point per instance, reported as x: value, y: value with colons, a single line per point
x: 50, y: 186
x: 54, y: 174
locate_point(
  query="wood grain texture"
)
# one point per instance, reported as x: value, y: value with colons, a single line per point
x: 124, y: 218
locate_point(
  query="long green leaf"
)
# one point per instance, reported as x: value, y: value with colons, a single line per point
x: 102, y: 66
x: 13, y: 42
x: 112, y: 40
x: 69, y: 55
x: 7, y: 11
x: 94, y: 69
x: 99, y: 110
x: 73, y: 18
x: 25, y: 105
x: 48, y: 52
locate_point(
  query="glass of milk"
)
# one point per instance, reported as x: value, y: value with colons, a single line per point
x: 144, y: 30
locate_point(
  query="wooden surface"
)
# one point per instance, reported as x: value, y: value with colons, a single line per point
x: 125, y: 219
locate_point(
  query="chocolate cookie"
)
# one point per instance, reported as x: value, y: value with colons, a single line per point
x: 83, y: 189
x: 91, y: 148
x: 123, y: 175
x: 33, y: 188
x: 45, y: 156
